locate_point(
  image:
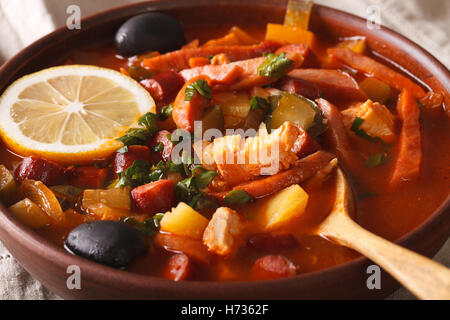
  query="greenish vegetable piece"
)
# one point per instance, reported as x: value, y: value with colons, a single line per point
x: 135, y: 175
x: 376, y: 160
x: 159, y: 147
x: 189, y: 189
x: 7, y: 183
x: 206, y: 202
x: 200, y: 86
x: 165, y: 112
x: 149, y: 121
x: 149, y: 227
x: 134, y: 136
x: 204, y: 179
x: 237, y: 196
x: 212, y: 118
x: 299, y: 110
x: 275, y: 65
x: 139, y: 73
x: 67, y: 191
x: 258, y: 103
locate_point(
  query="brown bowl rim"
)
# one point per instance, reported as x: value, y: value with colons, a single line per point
x: 29, y: 238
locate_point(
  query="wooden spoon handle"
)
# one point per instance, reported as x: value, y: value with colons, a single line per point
x: 422, y: 276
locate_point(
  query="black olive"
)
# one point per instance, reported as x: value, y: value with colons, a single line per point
x: 153, y: 31
x: 112, y: 243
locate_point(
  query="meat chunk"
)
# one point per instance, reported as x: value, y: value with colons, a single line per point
x: 238, y: 159
x: 376, y: 69
x: 35, y: 168
x: 164, y: 86
x: 305, y: 144
x: 272, y: 267
x: 179, y: 60
x: 123, y: 160
x: 88, y: 177
x: 167, y: 146
x: 331, y: 83
x: 309, y: 58
x: 378, y: 120
x: 193, y: 248
x: 301, y: 87
x: 179, y: 267
x: 305, y: 168
x: 186, y: 111
x: 154, y: 197
x: 223, y: 233
x: 336, y: 135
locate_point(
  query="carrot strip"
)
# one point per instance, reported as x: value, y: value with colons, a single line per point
x: 376, y: 69
x: 305, y: 169
x: 409, y: 157
x: 179, y: 60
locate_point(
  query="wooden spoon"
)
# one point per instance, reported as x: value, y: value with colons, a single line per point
x: 423, y: 277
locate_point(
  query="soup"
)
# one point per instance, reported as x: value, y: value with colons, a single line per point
x: 241, y: 197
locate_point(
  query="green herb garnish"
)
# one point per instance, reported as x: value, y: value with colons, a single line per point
x: 361, y: 133
x: 134, y: 136
x: 135, y: 175
x: 148, y: 227
x: 258, y: 103
x: 165, y: 112
x: 200, y: 86
x: 159, y: 147
x: 149, y: 121
x: 237, y: 196
x: 275, y: 65
x: 189, y: 189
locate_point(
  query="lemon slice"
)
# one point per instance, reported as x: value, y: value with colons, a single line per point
x: 71, y: 114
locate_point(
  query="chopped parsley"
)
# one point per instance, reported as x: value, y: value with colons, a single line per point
x: 200, y: 86
x: 237, y: 196
x: 134, y: 136
x: 360, y: 132
x: 148, y: 227
x: 189, y: 189
x: 135, y: 175
x: 150, y: 122
x: 258, y: 103
x: 275, y: 65
x: 139, y: 136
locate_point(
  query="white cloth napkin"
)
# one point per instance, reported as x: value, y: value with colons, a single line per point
x: 24, y: 21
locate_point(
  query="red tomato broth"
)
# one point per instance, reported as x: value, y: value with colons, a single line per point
x: 390, y: 214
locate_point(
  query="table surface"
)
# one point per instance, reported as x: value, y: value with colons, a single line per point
x: 24, y: 21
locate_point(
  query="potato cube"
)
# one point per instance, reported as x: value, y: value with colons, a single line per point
x: 184, y: 221
x: 30, y: 214
x: 235, y: 107
x: 114, y: 198
x: 279, y: 209
x: 378, y: 120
